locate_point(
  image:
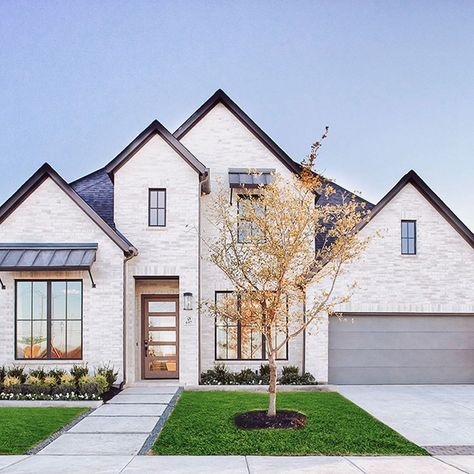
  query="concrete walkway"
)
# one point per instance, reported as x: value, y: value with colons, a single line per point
x: 236, y: 464
x: 118, y: 428
x: 437, y: 417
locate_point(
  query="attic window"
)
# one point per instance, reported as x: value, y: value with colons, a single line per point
x: 408, y: 237
x: 157, y: 208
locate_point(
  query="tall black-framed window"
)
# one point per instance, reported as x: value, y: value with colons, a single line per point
x: 247, y: 230
x: 157, y: 207
x: 408, y: 237
x: 48, y: 319
x: 234, y: 341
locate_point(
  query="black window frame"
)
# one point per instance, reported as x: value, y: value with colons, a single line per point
x: 49, y: 318
x: 239, y: 339
x: 150, y: 208
x: 407, y: 238
x: 239, y: 218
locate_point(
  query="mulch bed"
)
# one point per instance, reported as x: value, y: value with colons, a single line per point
x: 259, y: 419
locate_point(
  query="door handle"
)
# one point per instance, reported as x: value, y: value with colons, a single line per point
x: 145, y: 346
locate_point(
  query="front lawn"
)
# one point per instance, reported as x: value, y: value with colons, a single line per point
x: 202, y: 424
x: 23, y: 428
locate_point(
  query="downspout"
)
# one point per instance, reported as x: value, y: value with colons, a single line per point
x: 304, y: 335
x: 134, y: 252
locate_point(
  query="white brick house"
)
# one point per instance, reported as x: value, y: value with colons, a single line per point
x: 110, y: 269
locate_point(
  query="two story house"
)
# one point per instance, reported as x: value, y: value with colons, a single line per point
x: 110, y: 269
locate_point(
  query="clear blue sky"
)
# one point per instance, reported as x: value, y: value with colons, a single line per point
x: 394, y: 80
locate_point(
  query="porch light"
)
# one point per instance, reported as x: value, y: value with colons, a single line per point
x: 187, y: 300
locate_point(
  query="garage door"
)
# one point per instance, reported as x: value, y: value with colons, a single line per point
x: 401, y: 349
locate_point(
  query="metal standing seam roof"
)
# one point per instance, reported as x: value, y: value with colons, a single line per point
x: 14, y: 257
x: 249, y: 178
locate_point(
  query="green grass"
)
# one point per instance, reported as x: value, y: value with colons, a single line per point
x: 202, y: 424
x: 23, y: 428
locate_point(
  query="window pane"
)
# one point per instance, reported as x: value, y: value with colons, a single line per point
x: 221, y: 340
x: 58, y: 304
x: 161, y: 217
x: 23, y: 300
x: 404, y: 246
x: 74, y: 300
x: 39, y: 300
x: 162, y: 336
x: 153, y: 199
x: 250, y: 344
x: 153, y: 217
x: 404, y: 229
x: 23, y: 339
x: 411, y: 229
x: 162, y: 351
x: 74, y: 340
x: 162, y: 306
x: 411, y: 246
x: 58, y: 339
x: 161, y: 321
x: 161, y: 199
x: 39, y: 344
x: 232, y: 342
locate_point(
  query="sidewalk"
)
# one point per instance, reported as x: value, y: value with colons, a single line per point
x: 120, y: 427
x: 236, y: 464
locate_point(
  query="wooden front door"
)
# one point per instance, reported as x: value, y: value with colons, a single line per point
x: 160, y: 323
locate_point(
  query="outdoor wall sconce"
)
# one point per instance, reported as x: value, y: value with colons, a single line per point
x: 187, y: 301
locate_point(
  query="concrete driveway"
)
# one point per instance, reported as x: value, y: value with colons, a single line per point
x: 440, y: 417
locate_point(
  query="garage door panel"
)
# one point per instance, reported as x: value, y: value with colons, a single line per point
x: 376, y: 376
x: 402, y: 358
x: 404, y: 340
x: 398, y: 349
x: 413, y: 323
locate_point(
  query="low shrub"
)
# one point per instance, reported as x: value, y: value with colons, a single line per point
x: 90, y: 389
x: 220, y: 375
x: 3, y: 372
x: 11, y: 381
x: 17, y: 372
x: 50, y: 380
x: 38, y: 373
x: 102, y: 382
x: 79, y: 371
x: 33, y: 380
x: 64, y: 389
x: 36, y: 389
x: 247, y: 377
x: 67, y: 379
x: 109, y: 373
x: 56, y: 373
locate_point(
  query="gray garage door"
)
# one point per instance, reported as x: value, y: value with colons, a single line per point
x: 398, y: 349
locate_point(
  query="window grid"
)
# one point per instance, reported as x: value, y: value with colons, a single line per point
x: 157, y: 207
x: 34, y: 339
x: 408, y: 237
x: 227, y: 326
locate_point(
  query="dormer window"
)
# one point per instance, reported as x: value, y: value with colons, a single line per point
x: 408, y: 237
x: 157, y: 207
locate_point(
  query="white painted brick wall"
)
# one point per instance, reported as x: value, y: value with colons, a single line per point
x: 49, y: 215
x: 168, y: 251
x: 439, y: 279
x: 220, y: 141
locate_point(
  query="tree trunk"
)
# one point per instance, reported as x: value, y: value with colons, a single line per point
x: 272, y: 385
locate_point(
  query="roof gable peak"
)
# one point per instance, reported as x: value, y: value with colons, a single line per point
x: 221, y: 97
x: 155, y: 128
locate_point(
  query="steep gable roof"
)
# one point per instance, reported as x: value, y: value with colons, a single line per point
x: 412, y: 178
x: 45, y: 172
x: 155, y: 128
x: 221, y: 97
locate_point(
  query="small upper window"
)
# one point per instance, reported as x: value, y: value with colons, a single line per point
x: 157, y: 208
x: 408, y: 237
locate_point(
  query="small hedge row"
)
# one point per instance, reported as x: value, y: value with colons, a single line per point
x: 220, y: 375
x: 56, y: 384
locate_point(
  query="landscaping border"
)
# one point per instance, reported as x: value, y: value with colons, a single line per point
x: 150, y: 441
x: 51, y: 403
x: 260, y: 388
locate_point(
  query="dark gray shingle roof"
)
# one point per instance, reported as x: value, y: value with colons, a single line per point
x: 97, y: 190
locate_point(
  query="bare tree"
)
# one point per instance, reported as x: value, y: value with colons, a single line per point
x: 275, y: 241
